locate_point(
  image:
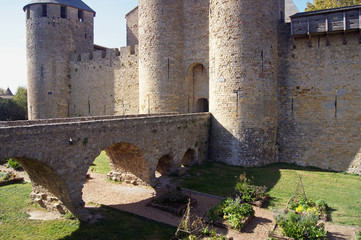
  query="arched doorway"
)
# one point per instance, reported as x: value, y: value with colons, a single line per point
x: 198, y: 85
x: 202, y: 105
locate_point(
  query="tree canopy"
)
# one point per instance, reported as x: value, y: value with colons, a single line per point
x: 325, y: 4
x: 15, y: 108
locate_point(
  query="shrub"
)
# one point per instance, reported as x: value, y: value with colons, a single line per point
x: 4, y: 176
x: 301, y: 226
x: 233, y: 211
x: 247, y: 191
x: 358, y: 235
x: 13, y: 164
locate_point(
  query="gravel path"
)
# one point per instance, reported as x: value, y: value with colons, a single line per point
x: 134, y: 199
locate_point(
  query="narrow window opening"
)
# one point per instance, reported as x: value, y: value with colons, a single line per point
x: 168, y: 68
x: 81, y: 15
x: 86, y: 35
x: 44, y: 10
x: 336, y: 103
x: 262, y: 61
x: 28, y: 13
x: 63, y: 12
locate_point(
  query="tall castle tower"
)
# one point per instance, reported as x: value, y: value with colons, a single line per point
x: 243, y: 80
x: 55, y: 30
x: 161, y: 74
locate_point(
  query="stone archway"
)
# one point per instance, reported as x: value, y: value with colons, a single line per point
x: 164, y: 165
x: 197, y: 85
x: 128, y: 164
x: 189, y: 158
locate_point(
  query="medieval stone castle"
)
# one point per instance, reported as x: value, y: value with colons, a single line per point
x: 279, y: 89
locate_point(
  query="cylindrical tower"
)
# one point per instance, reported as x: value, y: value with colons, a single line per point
x: 55, y: 30
x: 161, y: 67
x: 243, y: 80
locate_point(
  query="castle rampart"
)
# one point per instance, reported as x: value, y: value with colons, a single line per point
x: 104, y: 82
x: 319, y: 117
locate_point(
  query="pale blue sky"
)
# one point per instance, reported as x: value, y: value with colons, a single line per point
x: 109, y: 32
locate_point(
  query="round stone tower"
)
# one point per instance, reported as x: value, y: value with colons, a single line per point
x: 55, y: 30
x: 243, y: 80
x: 161, y: 67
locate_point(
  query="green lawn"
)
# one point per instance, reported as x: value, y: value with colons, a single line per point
x: 15, y: 201
x: 341, y: 191
x: 101, y: 164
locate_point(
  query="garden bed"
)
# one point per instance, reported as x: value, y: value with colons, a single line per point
x: 7, y: 178
x: 259, y: 203
x: 226, y: 225
x: 173, y: 201
x: 12, y: 181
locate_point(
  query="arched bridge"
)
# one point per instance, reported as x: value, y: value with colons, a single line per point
x: 57, y: 153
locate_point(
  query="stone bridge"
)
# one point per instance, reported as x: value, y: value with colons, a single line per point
x: 57, y: 153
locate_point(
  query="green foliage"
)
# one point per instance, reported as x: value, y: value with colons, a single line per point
x: 247, y: 191
x: 101, y: 164
x: 326, y: 4
x: 4, y: 176
x: 21, y: 97
x: 358, y: 235
x: 15, y: 202
x: 233, y: 211
x: 13, y: 164
x: 85, y: 141
x: 301, y: 226
x: 341, y: 191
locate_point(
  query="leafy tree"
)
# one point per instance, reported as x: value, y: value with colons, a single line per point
x: 15, y: 108
x: 2, y: 91
x: 20, y: 98
x: 325, y: 4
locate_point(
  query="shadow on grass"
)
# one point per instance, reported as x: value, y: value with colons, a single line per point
x: 116, y: 224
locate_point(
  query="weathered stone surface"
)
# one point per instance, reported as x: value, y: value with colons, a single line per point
x: 58, y: 153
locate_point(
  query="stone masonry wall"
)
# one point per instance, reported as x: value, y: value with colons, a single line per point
x: 105, y: 83
x: 132, y: 27
x: 50, y: 41
x: 57, y: 155
x: 243, y: 80
x: 320, y: 114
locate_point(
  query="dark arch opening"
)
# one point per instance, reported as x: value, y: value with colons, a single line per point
x: 128, y: 162
x: 47, y: 186
x: 202, y: 105
x: 189, y: 158
x: 164, y: 165
x: 197, y: 83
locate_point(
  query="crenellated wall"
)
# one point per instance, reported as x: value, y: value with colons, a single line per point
x: 105, y: 82
x: 319, y: 101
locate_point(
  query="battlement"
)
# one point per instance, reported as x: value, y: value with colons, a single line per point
x: 98, y: 55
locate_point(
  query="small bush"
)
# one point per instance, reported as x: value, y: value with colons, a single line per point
x: 13, y: 164
x: 358, y: 235
x: 233, y: 211
x: 247, y: 191
x: 301, y: 226
x: 4, y: 176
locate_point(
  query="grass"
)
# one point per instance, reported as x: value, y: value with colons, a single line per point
x: 14, y: 222
x: 101, y: 164
x: 341, y: 191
